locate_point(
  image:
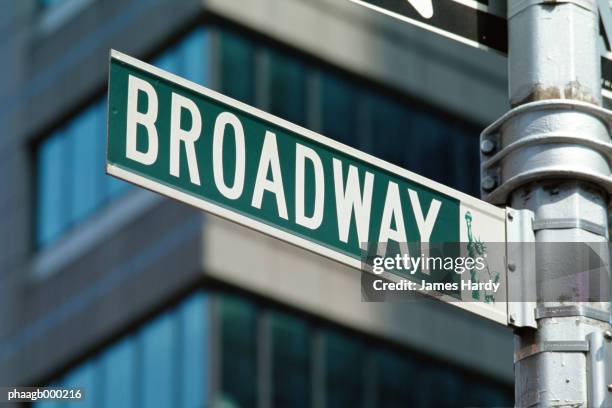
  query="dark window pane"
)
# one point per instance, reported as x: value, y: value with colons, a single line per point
x: 238, y: 352
x: 287, y: 79
x: 467, y: 160
x: 339, y: 107
x: 345, y: 366
x: 237, y: 67
x: 118, y: 366
x: 428, y: 148
x: 52, y: 203
x: 441, y: 386
x: 475, y: 393
x: 193, y: 51
x: 389, y: 139
x: 159, y: 370
x: 399, y: 381
x: 290, y: 362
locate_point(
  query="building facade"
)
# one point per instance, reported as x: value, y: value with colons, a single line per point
x: 145, y: 302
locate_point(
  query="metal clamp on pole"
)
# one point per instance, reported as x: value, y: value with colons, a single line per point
x: 578, y: 346
x: 573, y: 310
x: 515, y: 149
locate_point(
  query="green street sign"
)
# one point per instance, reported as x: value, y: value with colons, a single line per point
x: 192, y: 144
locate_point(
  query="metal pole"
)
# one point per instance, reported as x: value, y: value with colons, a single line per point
x: 551, y: 155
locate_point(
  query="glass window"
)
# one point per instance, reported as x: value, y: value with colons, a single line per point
x: 399, y: 381
x: 290, y: 362
x: 427, y: 137
x: 390, y: 141
x: 467, y: 159
x: 441, y: 386
x: 345, y: 371
x: 237, y: 67
x: 118, y: 366
x: 194, y: 343
x: 85, y: 377
x: 287, y: 93
x: 87, y: 161
x: 158, y: 374
x: 193, y: 51
x: 339, y: 107
x: 52, y: 202
x: 238, y: 348
x: 477, y: 393
x: 71, y: 180
x: 163, y: 364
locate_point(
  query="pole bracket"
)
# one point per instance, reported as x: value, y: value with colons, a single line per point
x: 567, y: 346
x: 573, y: 310
x: 566, y: 223
x: 515, y: 149
x: 521, y: 273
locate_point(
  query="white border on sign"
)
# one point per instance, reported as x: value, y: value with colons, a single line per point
x: 172, y: 192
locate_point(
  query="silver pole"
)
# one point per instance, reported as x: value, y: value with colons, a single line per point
x: 551, y: 156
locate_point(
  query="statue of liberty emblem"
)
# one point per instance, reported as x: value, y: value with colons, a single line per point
x: 476, y: 248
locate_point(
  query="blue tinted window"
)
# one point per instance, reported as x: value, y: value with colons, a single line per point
x: 194, y: 363
x: 339, y: 110
x: 390, y: 141
x: 193, y: 51
x: 237, y: 67
x: 400, y: 381
x: 163, y: 364
x: 71, y: 179
x: 118, y: 367
x: 287, y: 79
x: 467, y: 160
x: 52, y: 202
x: 159, y: 370
x: 87, y: 378
x: 345, y: 365
x: 290, y: 362
x: 168, y: 61
x: 238, y: 352
x: 86, y: 164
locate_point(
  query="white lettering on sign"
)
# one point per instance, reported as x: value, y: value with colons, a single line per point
x: 353, y: 192
x: 351, y: 200
x: 303, y: 153
x: 146, y: 119
x: 188, y: 137
x: 224, y: 120
x: 269, y: 160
